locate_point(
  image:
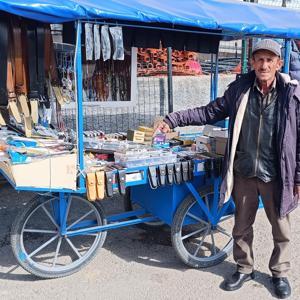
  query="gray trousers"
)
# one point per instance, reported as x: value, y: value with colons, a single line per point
x: 245, y: 195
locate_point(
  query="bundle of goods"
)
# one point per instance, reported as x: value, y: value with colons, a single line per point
x: 41, y: 162
x: 153, y: 62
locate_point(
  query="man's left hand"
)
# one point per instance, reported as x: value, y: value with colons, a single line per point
x: 297, y: 191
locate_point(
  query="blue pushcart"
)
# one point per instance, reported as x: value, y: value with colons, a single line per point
x: 59, y: 231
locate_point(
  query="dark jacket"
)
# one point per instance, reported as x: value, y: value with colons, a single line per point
x: 287, y: 130
x: 295, y: 62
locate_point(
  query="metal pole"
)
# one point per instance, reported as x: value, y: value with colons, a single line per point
x: 170, y: 81
x: 79, y: 115
x: 216, y: 75
x: 212, y: 83
x: 287, y: 51
x: 244, y: 56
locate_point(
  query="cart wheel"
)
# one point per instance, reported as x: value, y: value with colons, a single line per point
x: 129, y: 206
x: 40, y: 248
x: 196, y: 241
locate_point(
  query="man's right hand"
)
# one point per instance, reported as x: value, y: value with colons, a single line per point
x: 162, y: 127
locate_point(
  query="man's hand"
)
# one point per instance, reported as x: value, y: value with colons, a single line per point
x: 297, y: 191
x: 163, y: 127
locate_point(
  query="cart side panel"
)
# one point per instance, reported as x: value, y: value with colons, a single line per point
x: 163, y: 201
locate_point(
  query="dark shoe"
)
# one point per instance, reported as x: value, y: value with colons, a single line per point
x: 282, y: 287
x: 236, y: 281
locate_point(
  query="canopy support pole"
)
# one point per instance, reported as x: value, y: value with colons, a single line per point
x: 212, y: 82
x: 287, y: 52
x: 79, y: 116
x: 216, y: 75
x: 170, y: 81
x: 244, y: 56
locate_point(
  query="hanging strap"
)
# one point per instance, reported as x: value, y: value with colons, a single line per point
x: 36, y: 67
x: 47, y: 48
x: 18, y: 56
x: 10, y: 84
x: 32, y: 62
x: 40, y: 38
x: 3, y: 59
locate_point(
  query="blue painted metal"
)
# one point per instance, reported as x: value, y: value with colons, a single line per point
x: 37, y: 189
x: 232, y: 17
x: 216, y: 74
x: 215, y: 201
x: 109, y: 226
x: 78, y: 59
x: 125, y: 215
x: 200, y: 201
x: 56, y: 210
x: 83, y: 224
x: 212, y: 82
x: 64, y: 200
x: 163, y: 201
x: 227, y: 209
x: 287, y: 52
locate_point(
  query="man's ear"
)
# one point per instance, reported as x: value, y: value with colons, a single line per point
x: 280, y: 64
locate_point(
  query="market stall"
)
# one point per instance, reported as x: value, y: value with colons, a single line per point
x: 60, y: 231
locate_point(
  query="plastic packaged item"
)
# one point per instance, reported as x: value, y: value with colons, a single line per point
x: 105, y: 43
x: 159, y: 138
x: 144, y: 157
x: 89, y: 41
x: 97, y: 45
x: 117, y: 39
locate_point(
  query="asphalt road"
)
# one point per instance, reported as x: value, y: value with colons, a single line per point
x: 138, y: 264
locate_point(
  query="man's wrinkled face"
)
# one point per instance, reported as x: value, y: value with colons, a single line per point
x: 265, y: 65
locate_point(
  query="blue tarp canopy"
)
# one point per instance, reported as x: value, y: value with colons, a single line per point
x: 232, y: 17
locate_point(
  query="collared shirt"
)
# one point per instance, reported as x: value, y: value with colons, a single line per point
x: 264, y: 99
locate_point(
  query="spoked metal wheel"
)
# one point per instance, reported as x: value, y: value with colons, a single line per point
x: 39, y: 245
x: 197, y: 242
x: 129, y: 206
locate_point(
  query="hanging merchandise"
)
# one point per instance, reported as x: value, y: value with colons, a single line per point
x: 12, y: 99
x: 105, y: 43
x: 3, y: 59
x: 89, y: 44
x: 38, y: 95
x: 97, y: 45
x: 65, y: 68
x: 117, y: 39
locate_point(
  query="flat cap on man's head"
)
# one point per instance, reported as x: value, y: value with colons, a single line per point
x: 267, y: 44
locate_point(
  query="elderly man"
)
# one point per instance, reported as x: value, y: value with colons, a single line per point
x: 262, y: 158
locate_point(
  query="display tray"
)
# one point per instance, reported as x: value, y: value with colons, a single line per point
x: 100, y: 151
x: 54, y: 172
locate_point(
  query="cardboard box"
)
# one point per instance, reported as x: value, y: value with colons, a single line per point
x: 146, y: 129
x: 172, y: 135
x: 54, y: 172
x: 221, y: 143
x: 135, y: 136
x: 205, y: 143
x: 215, y: 131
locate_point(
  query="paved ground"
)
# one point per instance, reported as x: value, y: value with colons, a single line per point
x: 135, y: 264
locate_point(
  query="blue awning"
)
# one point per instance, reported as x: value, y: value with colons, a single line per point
x: 232, y: 17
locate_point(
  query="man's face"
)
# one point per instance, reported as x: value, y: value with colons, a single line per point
x: 265, y: 65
